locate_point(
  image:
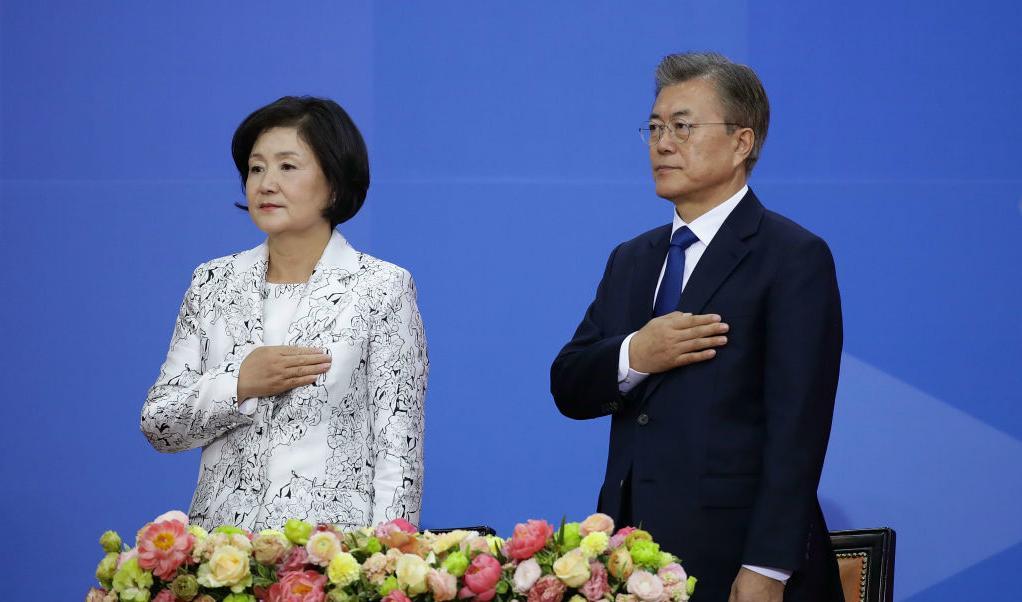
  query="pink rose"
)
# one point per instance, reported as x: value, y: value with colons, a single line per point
x: 594, y: 523
x: 646, y: 586
x: 270, y: 548
x: 526, y: 575
x: 673, y: 574
x: 528, y: 538
x: 298, y: 586
x: 295, y: 560
x: 165, y: 596
x: 396, y: 596
x: 443, y: 585
x: 675, y: 581
x: 481, y: 578
x: 619, y: 537
x: 399, y: 534
x: 597, y: 586
x: 398, y: 525
x: 163, y: 547
x: 547, y: 589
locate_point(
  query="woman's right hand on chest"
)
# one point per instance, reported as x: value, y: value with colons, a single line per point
x: 272, y: 370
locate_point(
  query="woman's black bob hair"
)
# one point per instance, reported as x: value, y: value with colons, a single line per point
x: 330, y: 133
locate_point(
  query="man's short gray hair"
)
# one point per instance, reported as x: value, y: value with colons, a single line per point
x: 741, y: 93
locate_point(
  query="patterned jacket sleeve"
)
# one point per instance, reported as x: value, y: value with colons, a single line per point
x: 397, y: 372
x: 189, y: 406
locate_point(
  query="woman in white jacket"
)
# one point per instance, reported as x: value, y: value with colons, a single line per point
x: 299, y: 366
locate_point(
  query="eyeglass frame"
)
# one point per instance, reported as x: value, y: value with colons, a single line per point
x: 673, y: 130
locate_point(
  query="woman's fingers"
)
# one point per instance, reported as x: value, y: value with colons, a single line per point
x: 308, y: 369
x: 304, y: 359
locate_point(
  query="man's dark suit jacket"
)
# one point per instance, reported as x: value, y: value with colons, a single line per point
x: 723, y: 456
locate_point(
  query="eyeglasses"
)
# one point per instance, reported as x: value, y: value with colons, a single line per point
x: 680, y: 131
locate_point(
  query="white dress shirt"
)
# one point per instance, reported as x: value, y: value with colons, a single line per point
x: 705, y: 227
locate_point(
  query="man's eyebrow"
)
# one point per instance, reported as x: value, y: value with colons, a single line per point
x: 681, y: 113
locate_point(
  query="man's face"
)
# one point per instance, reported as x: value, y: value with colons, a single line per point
x: 710, y: 161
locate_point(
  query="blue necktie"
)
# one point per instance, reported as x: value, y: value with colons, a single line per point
x: 670, y: 287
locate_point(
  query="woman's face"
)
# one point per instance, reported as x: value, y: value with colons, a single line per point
x: 286, y: 188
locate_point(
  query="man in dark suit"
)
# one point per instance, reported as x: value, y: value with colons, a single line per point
x: 714, y: 344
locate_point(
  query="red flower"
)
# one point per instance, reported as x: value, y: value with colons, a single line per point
x: 528, y: 538
x: 481, y: 578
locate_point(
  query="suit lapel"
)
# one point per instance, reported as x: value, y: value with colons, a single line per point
x: 325, y: 294
x: 722, y: 256
x: 243, y: 304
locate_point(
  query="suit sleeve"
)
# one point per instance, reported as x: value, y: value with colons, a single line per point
x: 397, y: 372
x: 583, y: 377
x: 188, y: 407
x: 803, y: 341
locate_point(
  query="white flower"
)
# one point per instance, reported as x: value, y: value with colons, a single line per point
x: 646, y: 586
x: 526, y: 575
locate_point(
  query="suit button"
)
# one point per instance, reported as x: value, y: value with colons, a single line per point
x: 643, y: 420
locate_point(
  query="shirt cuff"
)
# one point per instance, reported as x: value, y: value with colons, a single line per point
x: 627, y: 379
x: 775, y: 574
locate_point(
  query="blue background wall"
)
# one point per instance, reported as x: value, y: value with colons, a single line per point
x: 506, y: 165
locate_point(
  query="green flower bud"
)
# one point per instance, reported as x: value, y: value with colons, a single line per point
x: 230, y: 530
x: 110, y: 541
x: 298, y: 531
x: 132, y: 583
x: 185, y: 587
x: 646, y: 553
x: 690, y: 585
x: 240, y: 598
x: 338, y: 595
x: 456, y: 563
x: 373, y: 545
x: 571, y: 536
x: 389, y: 584
x: 106, y: 569
x: 666, y: 558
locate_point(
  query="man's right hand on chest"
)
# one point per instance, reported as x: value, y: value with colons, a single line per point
x: 676, y: 339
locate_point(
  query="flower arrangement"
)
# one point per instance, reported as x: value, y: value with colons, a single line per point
x: 173, y: 561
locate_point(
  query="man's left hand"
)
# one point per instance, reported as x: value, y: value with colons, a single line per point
x: 750, y: 586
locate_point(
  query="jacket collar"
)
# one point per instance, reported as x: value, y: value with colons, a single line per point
x: 319, y: 304
x: 723, y: 255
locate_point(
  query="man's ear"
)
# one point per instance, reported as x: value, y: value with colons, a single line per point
x: 743, y: 145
